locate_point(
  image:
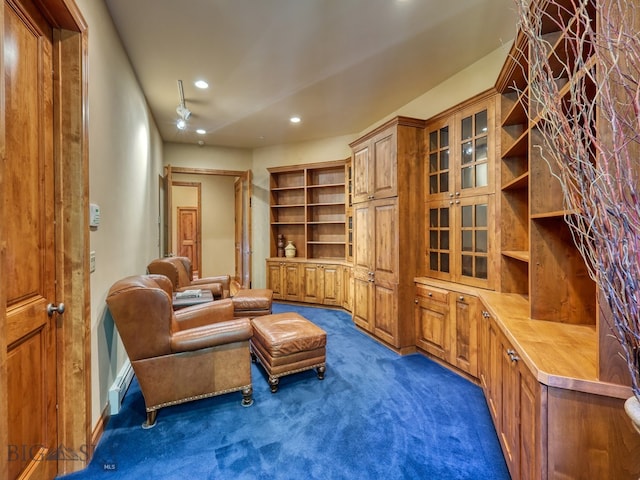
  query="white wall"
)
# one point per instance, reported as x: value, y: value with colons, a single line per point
x: 125, y: 160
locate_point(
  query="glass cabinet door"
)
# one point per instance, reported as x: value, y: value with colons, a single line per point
x: 438, y: 161
x: 439, y: 239
x: 475, y: 240
x: 474, y: 151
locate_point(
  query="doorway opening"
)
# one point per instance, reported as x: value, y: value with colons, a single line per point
x: 213, y: 208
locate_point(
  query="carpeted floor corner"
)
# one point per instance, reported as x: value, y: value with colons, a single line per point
x: 375, y: 415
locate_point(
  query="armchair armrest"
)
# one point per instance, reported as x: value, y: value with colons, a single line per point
x: 215, y: 288
x: 207, y: 336
x: 223, y: 280
x: 204, y: 314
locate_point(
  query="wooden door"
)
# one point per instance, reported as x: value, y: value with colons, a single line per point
x: 28, y: 190
x: 189, y: 236
x: 238, y: 229
x: 166, y: 202
x: 242, y: 188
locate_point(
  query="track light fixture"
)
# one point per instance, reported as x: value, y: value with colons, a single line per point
x: 183, y: 112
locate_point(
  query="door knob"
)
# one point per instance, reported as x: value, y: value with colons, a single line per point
x: 51, y: 309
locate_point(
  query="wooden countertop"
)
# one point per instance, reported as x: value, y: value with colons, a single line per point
x: 558, y: 354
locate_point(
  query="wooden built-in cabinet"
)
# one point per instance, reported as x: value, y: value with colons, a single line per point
x: 284, y: 278
x: 554, y: 418
x: 311, y: 206
x: 308, y: 205
x: 459, y: 202
x: 514, y: 398
x: 538, y: 257
x: 322, y: 283
x: 387, y: 182
x: 447, y: 326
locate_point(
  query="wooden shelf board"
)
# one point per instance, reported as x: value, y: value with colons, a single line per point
x: 555, y: 214
x: 518, y: 113
x: 328, y: 222
x: 326, y: 185
x: 318, y: 242
x: 294, y: 205
x: 326, y: 204
x: 287, y: 223
x: 519, y: 147
x: 517, y: 183
x: 522, y: 255
x: 284, y: 189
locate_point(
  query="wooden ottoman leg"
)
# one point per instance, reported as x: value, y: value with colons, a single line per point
x: 247, y: 396
x: 273, y: 383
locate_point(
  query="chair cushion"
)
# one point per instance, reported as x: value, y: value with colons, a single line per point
x: 252, y: 299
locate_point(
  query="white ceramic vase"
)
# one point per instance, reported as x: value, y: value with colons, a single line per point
x: 290, y: 250
x: 632, y: 407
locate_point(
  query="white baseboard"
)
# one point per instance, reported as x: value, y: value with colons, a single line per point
x: 120, y: 387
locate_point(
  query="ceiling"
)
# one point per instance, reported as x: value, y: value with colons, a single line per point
x: 340, y: 65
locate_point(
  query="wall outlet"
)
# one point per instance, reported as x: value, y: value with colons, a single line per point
x: 92, y: 262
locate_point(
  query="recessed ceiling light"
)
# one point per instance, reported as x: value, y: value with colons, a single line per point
x: 201, y: 131
x: 295, y: 120
x: 201, y: 84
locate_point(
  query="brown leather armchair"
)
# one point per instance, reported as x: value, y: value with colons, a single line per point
x: 180, y: 272
x: 177, y: 357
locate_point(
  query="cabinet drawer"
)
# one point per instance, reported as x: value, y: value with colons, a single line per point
x: 433, y: 293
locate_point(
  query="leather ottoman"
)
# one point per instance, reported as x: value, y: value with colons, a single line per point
x: 286, y: 343
x: 252, y: 302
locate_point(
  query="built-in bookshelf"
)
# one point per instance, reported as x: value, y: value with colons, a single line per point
x: 308, y: 208
x: 538, y: 256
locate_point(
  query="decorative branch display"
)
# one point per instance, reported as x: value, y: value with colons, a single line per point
x: 584, y: 98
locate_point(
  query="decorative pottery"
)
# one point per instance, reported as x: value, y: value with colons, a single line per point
x: 280, y: 245
x: 632, y: 407
x: 290, y: 250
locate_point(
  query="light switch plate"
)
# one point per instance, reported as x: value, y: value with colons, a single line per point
x: 92, y: 261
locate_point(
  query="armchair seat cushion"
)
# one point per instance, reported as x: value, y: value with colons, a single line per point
x: 252, y: 302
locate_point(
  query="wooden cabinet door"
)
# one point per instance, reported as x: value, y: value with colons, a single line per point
x: 530, y: 398
x: 312, y: 282
x: 383, y: 165
x: 347, y: 289
x: 291, y: 281
x: 331, y: 285
x: 510, y: 425
x: 385, y: 241
x: 363, y: 237
x: 385, y: 312
x: 274, y: 279
x: 432, y: 326
x: 465, y: 341
x: 494, y: 380
x: 361, y: 180
x: 483, y: 351
x: 362, y: 299
x: 473, y: 146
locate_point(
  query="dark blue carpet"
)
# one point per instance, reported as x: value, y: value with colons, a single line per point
x: 376, y: 415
